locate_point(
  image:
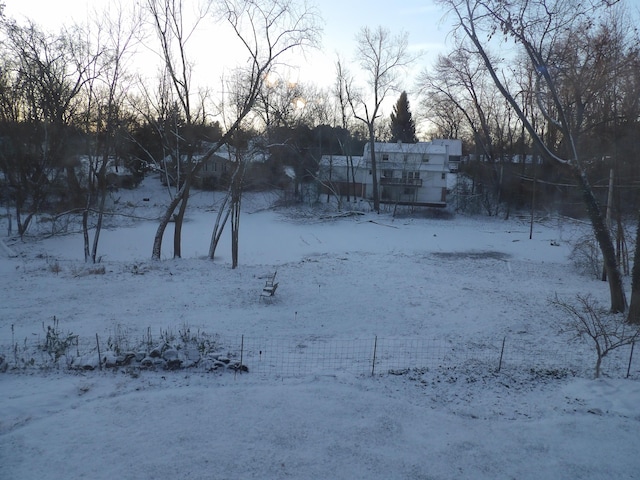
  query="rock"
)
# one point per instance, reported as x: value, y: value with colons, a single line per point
x: 238, y: 367
x: 109, y: 360
x: 86, y: 362
x: 146, y: 362
x: 126, y: 358
x: 156, y: 352
x: 222, y: 359
x: 192, y: 354
x: 170, y: 355
x: 173, y: 364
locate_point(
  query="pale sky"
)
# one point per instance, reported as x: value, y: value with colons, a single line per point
x: 342, y: 20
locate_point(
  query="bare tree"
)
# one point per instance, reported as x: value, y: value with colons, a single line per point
x: 231, y: 203
x: 537, y: 28
x: 607, y: 331
x: 45, y: 84
x: 382, y: 57
x: 344, y: 84
x: 268, y: 31
x: 173, y: 34
x: 108, y: 47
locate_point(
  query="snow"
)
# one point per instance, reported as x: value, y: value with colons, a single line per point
x: 420, y: 283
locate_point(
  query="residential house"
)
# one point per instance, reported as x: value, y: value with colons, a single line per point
x: 215, y: 171
x: 342, y: 175
x: 408, y: 173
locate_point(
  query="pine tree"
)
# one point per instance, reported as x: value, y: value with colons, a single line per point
x: 403, y: 129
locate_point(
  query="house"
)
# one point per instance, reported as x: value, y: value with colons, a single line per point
x: 408, y: 173
x: 215, y: 171
x: 343, y: 175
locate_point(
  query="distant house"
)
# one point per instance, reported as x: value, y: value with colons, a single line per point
x: 215, y: 171
x: 342, y: 175
x: 117, y: 175
x: 408, y: 173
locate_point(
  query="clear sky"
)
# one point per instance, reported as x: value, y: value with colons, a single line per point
x: 342, y: 20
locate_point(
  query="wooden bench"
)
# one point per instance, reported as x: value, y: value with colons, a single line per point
x: 270, y: 286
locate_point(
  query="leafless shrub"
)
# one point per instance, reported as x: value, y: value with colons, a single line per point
x: 93, y: 270
x: 55, y: 268
x: 57, y: 343
x: 606, y: 330
x: 585, y: 256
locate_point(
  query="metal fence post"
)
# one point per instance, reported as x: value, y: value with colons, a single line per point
x: 375, y: 349
x: 504, y: 339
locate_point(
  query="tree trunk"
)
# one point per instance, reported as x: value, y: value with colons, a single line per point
x: 96, y: 236
x: 164, y: 221
x: 235, y: 229
x: 74, y: 186
x: 603, y: 236
x: 85, y: 229
x: 179, y: 218
x: 218, y: 228
x: 634, y: 308
x: 374, y: 172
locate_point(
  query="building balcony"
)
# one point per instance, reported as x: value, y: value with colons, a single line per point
x: 402, y: 182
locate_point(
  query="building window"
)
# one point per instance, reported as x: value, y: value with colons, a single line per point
x: 444, y: 176
x: 425, y: 158
x: 385, y: 157
x: 405, y: 158
x: 387, y: 173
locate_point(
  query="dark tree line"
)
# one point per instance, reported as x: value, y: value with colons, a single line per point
x: 594, y: 62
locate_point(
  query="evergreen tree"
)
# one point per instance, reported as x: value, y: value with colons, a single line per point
x: 403, y: 129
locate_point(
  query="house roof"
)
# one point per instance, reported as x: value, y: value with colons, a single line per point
x: 224, y: 153
x: 341, y: 161
x: 415, y: 148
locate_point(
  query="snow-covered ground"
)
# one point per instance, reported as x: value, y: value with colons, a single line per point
x: 307, y: 408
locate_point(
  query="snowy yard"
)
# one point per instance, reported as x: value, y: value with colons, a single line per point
x: 306, y: 409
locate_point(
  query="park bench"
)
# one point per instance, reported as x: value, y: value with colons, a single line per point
x: 270, y: 286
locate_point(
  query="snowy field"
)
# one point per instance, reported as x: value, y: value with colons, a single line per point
x: 458, y: 286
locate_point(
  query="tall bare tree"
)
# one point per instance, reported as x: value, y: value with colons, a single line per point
x: 344, y: 83
x: 382, y: 57
x: 173, y: 31
x: 108, y: 44
x: 537, y: 27
x: 268, y: 30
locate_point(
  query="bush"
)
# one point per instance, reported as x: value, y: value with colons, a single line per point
x: 606, y: 330
x: 585, y: 256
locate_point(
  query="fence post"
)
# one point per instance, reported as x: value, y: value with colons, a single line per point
x: 375, y: 349
x: 504, y: 339
x: 99, y: 355
x: 633, y: 344
x: 241, y: 355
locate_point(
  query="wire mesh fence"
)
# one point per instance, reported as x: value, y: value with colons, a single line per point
x: 287, y: 357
